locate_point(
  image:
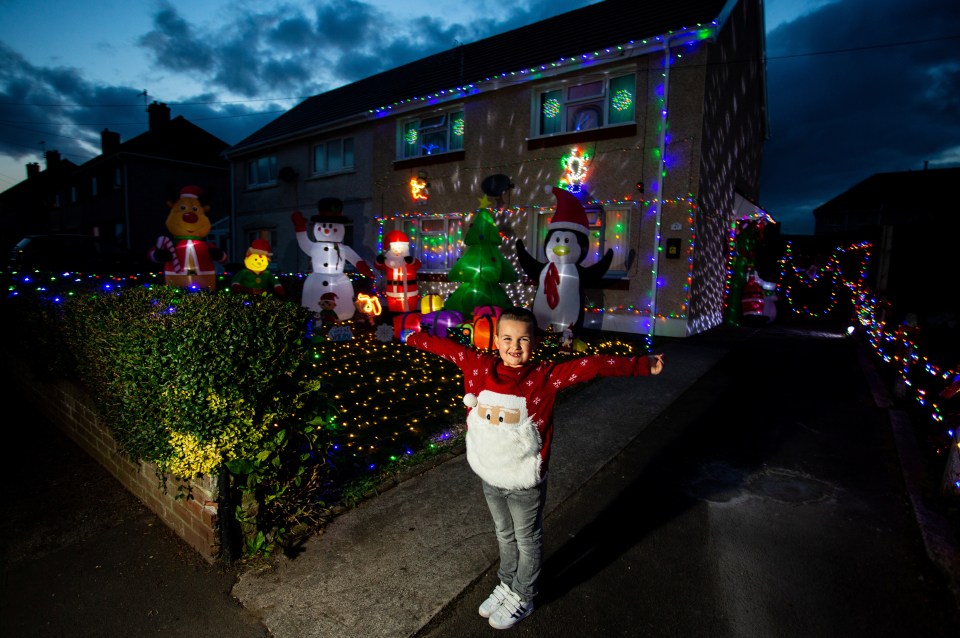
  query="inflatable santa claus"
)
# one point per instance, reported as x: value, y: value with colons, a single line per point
x: 400, y: 273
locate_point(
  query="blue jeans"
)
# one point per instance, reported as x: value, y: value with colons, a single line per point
x: 518, y: 521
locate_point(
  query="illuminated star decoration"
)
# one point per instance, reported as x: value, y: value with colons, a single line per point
x: 484, y: 201
x: 575, y: 170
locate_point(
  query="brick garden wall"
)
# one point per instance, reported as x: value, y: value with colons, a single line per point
x: 193, y: 517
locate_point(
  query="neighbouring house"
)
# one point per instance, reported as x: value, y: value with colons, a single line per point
x: 654, y: 112
x: 901, y: 214
x: 24, y: 207
x: 121, y: 195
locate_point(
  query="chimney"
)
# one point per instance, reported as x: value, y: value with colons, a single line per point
x: 158, y: 114
x: 53, y: 159
x: 33, y: 169
x: 109, y: 141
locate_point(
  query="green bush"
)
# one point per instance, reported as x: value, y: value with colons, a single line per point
x: 195, y: 382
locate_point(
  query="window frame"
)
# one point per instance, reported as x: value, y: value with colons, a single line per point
x: 413, y: 227
x: 342, y: 142
x: 254, y: 179
x: 602, y: 104
x: 452, y: 121
x: 603, y: 234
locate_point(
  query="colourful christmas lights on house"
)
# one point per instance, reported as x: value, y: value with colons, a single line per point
x: 575, y: 168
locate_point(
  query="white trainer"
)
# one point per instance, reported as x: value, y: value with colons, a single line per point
x: 494, y: 600
x: 511, y: 611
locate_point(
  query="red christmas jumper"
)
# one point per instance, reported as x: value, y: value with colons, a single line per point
x: 525, y: 398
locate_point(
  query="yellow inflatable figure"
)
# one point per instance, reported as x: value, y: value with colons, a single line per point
x: 188, y: 259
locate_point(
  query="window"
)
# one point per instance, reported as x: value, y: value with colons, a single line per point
x: 609, y: 229
x: 73, y: 194
x: 262, y: 171
x: 93, y: 186
x: 117, y: 177
x: 590, y: 105
x: 436, y: 133
x: 333, y: 156
x: 437, y: 241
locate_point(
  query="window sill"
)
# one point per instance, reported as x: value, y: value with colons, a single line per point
x: 580, y: 137
x: 346, y: 171
x: 427, y: 160
x: 260, y: 187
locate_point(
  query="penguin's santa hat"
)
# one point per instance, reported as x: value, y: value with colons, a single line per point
x: 570, y: 214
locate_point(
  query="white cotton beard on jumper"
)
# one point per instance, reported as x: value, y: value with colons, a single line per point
x: 504, y: 449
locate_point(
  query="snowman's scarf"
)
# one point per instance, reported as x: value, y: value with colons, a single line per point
x: 550, y: 283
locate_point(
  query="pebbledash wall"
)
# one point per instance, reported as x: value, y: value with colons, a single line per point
x: 192, y: 517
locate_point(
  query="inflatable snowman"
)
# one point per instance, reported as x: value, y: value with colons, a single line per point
x: 558, y: 303
x: 328, y: 255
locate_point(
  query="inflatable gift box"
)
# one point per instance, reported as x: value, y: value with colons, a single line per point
x: 484, y: 331
x: 441, y: 323
x: 407, y: 322
x: 431, y: 303
x: 487, y: 311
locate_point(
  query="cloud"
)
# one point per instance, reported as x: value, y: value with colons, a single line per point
x: 175, y: 44
x: 856, y: 88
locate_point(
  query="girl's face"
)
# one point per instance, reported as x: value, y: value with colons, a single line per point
x: 514, y: 342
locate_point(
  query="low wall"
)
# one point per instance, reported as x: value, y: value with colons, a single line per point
x: 192, y: 516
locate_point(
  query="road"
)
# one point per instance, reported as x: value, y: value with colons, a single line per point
x: 768, y: 501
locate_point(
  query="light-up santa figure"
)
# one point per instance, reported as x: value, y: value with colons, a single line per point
x: 400, y: 273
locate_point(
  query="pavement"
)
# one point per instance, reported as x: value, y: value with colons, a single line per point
x: 81, y: 557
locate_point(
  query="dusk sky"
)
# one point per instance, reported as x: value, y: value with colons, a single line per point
x: 855, y: 87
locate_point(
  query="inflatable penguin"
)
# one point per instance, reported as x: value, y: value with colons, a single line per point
x: 328, y: 255
x: 558, y: 303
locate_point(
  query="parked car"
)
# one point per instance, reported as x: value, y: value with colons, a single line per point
x: 76, y: 253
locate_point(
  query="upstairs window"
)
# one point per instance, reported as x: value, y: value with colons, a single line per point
x: 262, y: 171
x: 333, y: 156
x: 429, y: 135
x: 595, y: 104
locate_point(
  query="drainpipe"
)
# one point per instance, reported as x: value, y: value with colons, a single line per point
x: 655, y: 273
x: 233, y: 216
x: 125, y: 191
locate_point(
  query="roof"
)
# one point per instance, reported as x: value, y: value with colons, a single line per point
x: 595, y: 27
x: 177, y: 140
x: 899, y: 192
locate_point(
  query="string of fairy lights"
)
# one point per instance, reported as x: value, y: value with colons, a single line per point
x: 920, y: 373
x: 388, y: 409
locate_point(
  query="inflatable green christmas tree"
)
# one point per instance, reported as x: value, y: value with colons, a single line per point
x: 481, y: 269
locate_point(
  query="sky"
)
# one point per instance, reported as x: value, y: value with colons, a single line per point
x: 854, y: 87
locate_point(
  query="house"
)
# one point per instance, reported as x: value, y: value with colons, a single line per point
x: 901, y: 213
x: 121, y: 194
x: 654, y: 112
x: 24, y: 207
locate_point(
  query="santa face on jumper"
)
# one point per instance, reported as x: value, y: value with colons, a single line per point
x: 503, y: 443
